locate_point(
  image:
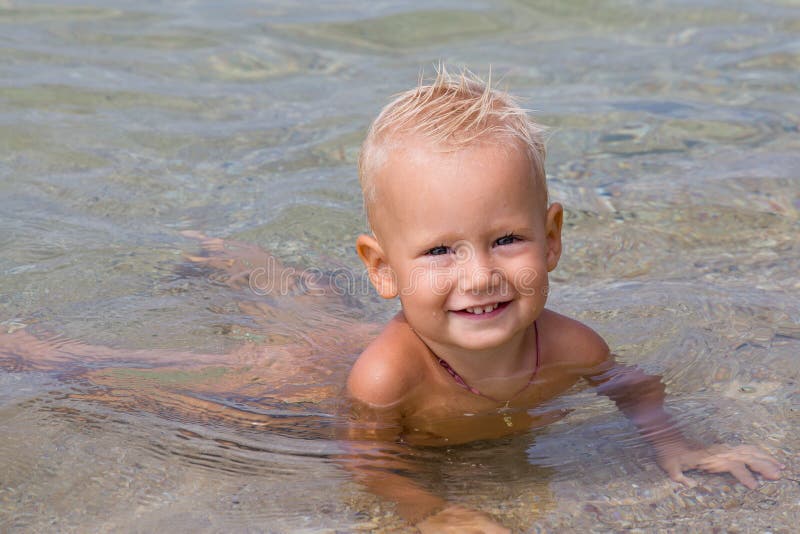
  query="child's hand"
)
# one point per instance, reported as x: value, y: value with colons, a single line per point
x: 741, y: 462
x: 461, y: 520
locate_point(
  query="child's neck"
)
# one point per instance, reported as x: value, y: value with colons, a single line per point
x: 491, y: 368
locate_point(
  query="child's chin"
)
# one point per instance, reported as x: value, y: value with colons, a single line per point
x: 482, y: 341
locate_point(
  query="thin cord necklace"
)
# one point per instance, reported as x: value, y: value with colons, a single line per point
x: 463, y: 383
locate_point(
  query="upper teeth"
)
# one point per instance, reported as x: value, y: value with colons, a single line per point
x: 477, y: 310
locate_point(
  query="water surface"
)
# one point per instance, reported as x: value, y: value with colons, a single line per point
x: 673, y: 145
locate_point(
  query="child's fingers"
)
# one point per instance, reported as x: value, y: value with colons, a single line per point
x: 760, y: 456
x: 743, y: 475
x: 751, y: 451
x: 768, y: 468
x: 678, y: 476
x: 197, y: 259
x: 754, y: 457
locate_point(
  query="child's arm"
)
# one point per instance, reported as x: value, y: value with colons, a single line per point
x: 380, y: 387
x: 641, y: 398
x: 382, y: 464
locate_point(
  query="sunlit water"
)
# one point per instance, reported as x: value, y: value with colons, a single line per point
x: 673, y: 145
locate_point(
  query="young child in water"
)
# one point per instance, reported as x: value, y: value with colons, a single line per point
x: 462, y: 232
x: 454, y: 189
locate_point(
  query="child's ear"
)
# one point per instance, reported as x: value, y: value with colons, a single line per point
x: 555, y: 218
x: 380, y: 274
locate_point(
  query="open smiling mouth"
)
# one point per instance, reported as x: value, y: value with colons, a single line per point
x: 483, y: 312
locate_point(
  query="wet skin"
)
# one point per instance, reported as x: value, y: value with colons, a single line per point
x: 465, y: 240
x: 173, y: 382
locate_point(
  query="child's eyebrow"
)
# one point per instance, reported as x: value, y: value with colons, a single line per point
x: 435, y: 240
x: 512, y: 229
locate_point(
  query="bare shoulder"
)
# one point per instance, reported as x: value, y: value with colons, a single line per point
x: 572, y: 342
x: 386, y: 373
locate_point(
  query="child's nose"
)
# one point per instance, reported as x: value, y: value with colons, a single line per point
x: 478, y: 274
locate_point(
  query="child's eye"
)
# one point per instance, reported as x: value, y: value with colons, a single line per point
x: 438, y: 251
x: 507, y: 240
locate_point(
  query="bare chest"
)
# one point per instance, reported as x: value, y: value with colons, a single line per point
x: 447, y: 414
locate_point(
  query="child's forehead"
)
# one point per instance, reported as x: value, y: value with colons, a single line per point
x: 418, y: 168
x: 416, y: 159
x: 418, y: 176
x: 421, y: 146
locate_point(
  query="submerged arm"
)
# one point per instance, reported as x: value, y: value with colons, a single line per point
x: 641, y: 398
x: 378, y: 460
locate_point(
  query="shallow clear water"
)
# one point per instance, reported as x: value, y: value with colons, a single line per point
x: 673, y: 146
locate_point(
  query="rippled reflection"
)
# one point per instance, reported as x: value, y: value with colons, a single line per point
x: 673, y: 146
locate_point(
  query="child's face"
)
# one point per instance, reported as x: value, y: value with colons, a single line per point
x: 468, y: 240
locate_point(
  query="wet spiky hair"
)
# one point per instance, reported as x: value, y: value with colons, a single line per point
x: 452, y: 112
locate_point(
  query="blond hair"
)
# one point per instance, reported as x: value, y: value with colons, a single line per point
x: 452, y: 112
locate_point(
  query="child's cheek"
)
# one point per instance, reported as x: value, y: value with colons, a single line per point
x: 428, y: 280
x: 529, y: 280
x: 441, y: 281
x: 434, y: 276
